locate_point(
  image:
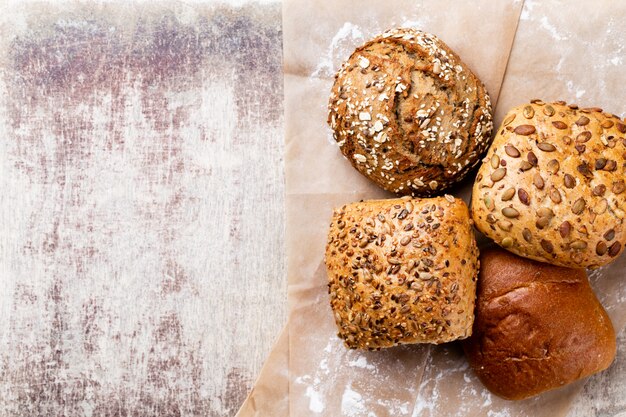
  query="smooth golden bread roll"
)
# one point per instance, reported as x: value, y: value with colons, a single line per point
x: 537, y: 326
x: 552, y: 186
x: 409, y: 114
x: 402, y: 271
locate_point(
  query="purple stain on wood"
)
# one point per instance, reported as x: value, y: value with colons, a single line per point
x: 105, y: 276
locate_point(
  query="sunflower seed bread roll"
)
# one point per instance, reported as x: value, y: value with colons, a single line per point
x: 552, y: 188
x: 402, y: 271
x: 409, y: 114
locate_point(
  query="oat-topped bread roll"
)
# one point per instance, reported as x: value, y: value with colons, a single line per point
x: 402, y: 271
x: 409, y: 114
x: 538, y: 326
x: 552, y: 185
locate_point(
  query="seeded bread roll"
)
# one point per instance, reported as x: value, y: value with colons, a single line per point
x: 408, y: 113
x: 538, y: 326
x: 402, y: 271
x: 552, y: 185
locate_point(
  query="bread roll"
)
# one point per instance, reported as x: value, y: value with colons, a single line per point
x: 402, y: 271
x: 552, y: 185
x: 409, y: 114
x: 537, y: 326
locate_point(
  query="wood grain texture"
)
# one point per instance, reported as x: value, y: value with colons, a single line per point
x: 142, y: 245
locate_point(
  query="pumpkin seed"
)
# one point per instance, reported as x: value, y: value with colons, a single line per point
x: 507, y: 242
x: 495, y: 161
x: 565, y: 228
x: 532, y: 158
x: 525, y: 166
x: 510, y: 212
x: 555, y: 195
x: 508, y: 194
x: 607, y: 124
x: 546, y: 147
x: 600, y: 163
x: 509, y: 119
x: 615, y: 249
x: 601, y: 207
x: 505, y: 225
x: 529, y: 112
x: 542, y: 222
x: 511, y: 151
x: 583, y: 121
x: 601, y: 248
x: 523, y: 196
x: 498, y: 174
x: 559, y: 125
x: 553, y: 166
x: 578, y: 244
x: 579, y: 206
x: 547, y: 246
x: 527, y: 235
x: 488, y: 202
x: 609, y: 235
x: 618, y: 187
x: 545, y: 212
x: 538, y: 181
x: 569, y: 181
x: 491, y: 218
x: 583, y: 137
x: 525, y: 130
x: 548, y: 110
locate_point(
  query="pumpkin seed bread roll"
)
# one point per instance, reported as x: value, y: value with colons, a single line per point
x: 409, y: 114
x: 552, y: 188
x: 402, y: 271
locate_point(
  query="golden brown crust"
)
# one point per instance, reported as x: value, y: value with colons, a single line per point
x: 409, y: 114
x: 551, y: 187
x: 402, y: 271
x: 537, y: 327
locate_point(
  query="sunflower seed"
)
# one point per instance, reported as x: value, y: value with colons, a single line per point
x: 505, y: 225
x: 547, y: 246
x: 495, y: 161
x: 508, y: 194
x: 510, y: 212
x: 565, y: 228
x: 609, y: 235
x: 600, y: 163
x: 621, y: 127
x: 583, y: 137
x: 507, y: 242
x: 599, y: 190
x: 491, y: 218
x: 578, y: 244
x: 569, y: 181
x: 555, y: 195
x: 511, y: 151
x: 394, y: 261
x: 525, y: 130
x: 583, y: 121
x: 553, y: 166
x: 548, y: 110
x: 579, y: 206
x: 532, y: 158
x: 523, y: 196
x: 580, y: 148
x: 529, y: 112
x: 538, y: 181
x: 527, y: 235
x: 498, y: 174
x: 618, y: 187
x: 546, y: 147
x: 449, y: 198
x: 615, y: 248
x: 559, y: 125
x: 509, y: 119
x: 567, y: 140
x: 601, y: 248
x: 405, y: 240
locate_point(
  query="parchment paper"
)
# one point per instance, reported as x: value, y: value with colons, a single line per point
x: 561, y: 51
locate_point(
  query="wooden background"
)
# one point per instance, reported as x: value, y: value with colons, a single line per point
x: 142, y: 245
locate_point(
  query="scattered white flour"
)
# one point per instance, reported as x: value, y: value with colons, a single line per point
x: 361, y: 362
x: 315, y: 401
x: 352, y: 403
x: 342, y: 44
x: 545, y: 23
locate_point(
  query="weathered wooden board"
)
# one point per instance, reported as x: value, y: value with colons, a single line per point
x: 141, y: 252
